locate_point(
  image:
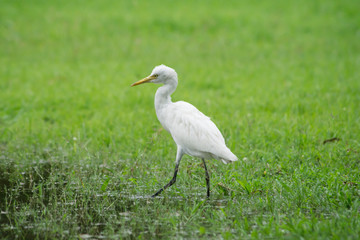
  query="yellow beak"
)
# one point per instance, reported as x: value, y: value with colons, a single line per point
x: 145, y: 80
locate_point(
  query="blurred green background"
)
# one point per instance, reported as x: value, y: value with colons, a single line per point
x: 277, y: 77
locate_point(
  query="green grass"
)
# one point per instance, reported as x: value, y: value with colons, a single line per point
x: 81, y: 151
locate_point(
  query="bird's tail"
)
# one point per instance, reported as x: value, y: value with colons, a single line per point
x: 227, y: 157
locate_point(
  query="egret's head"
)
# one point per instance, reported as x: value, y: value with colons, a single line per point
x: 160, y: 74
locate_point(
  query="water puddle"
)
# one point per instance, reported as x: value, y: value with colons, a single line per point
x: 41, y: 187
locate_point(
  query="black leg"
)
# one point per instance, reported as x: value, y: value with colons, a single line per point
x: 207, y: 179
x: 172, y: 181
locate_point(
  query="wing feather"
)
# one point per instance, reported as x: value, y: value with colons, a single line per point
x: 193, y: 130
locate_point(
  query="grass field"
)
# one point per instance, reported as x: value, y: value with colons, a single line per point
x: 81, y: 151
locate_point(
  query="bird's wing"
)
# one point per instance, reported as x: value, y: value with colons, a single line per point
x: 193, y: 130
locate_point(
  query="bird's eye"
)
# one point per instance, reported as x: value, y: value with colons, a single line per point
x: 155, y: 75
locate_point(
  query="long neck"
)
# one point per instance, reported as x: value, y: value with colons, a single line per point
x: 162, y: 96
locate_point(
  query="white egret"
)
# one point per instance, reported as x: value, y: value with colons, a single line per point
x: 193, y: 132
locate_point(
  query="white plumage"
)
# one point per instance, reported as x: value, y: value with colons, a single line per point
x: 193, y: 132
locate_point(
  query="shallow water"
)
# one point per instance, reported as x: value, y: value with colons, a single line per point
x: 37, y: 191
